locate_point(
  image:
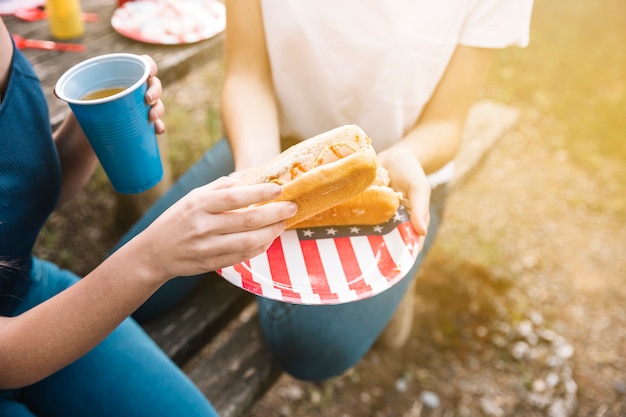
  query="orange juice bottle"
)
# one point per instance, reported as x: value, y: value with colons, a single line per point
x: 64, y: 17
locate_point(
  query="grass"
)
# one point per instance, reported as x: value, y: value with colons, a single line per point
x: 193, y: 116
x: 573, y: 73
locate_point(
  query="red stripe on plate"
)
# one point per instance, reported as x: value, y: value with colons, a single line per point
x: 316, y: 271
x: 386, y: 265
x: 410, y: 237
x: 351, y: 267
x: 247, y: 283
x: 279, y: 271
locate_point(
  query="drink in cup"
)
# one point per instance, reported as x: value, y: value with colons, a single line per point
x: 64, y: 17
x: 106, y: 94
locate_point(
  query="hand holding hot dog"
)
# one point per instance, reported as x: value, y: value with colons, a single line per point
x: 212, y: 227
x: 407, y: 177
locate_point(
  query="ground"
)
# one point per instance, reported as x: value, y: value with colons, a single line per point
x: 520, y: 302
x: 542, y: 304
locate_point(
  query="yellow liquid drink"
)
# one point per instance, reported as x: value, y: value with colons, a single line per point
x: 65, y: 20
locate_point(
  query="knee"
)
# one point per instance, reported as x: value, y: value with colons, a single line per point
x: 312, y: 362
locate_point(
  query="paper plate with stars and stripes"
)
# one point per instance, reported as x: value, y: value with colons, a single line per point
x: 330, y: 265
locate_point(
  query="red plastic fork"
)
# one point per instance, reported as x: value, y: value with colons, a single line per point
x: 33, y: 14
x: 43, y: 44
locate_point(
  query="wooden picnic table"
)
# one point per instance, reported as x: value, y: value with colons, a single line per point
x: 174, y: 61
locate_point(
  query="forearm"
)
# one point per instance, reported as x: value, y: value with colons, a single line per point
x: 249, y: 110
x: 55, y: 333
x: 77, y: 158
x: 433, y: 144
x: 250, y: 119
x: 436, y: 137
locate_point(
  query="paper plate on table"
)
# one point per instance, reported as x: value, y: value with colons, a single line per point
x: 330, y: 265
x: 10, y: 6
x: 170, y: 22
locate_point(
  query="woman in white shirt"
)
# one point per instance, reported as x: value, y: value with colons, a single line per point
x: 407, y: 72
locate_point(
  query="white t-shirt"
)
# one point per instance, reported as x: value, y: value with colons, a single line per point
x: 375, y: 63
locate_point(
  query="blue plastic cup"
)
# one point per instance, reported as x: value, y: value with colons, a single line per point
x: 117, y: 126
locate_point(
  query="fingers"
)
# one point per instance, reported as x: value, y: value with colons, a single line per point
x: 155, y: 90
x: 255, y: 217
x: 153, y: 97
x: 229, y: 237
x: 238, y: 209
x: 155, y: 114
x: 238, y: 247
x: 216, y: 226
x: 153, y: 65
x: 419, y: 195
x: 236, y: 174
x: 217, y: 200
x: 408, y: 177
x: 221, y: 182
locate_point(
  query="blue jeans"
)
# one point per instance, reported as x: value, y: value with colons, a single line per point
x: 310, y: 342
x: 319, y: 342
x: 127, y: 374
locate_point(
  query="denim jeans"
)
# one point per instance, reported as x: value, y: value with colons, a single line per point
x: 127, y: 374
x: 319, y: 342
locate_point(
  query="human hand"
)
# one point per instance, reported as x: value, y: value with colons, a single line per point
x: 212, y: 227
x: 153, y: 97
x: 407, y: 177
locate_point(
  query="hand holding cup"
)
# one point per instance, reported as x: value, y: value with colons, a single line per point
x: 115, y: 99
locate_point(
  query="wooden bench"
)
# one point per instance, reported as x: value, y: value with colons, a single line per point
x: 214, y: 335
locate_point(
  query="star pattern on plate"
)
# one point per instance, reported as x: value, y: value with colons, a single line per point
x: 323, y: 232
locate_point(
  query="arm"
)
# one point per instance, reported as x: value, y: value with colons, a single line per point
x: 77, y: 158
x: 6, y: 55
x: 249, y: 109
x: 210, y: 228
x: 436, y: 136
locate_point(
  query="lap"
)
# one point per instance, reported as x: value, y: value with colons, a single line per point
x: 318, y: 342
x: 126, y: 374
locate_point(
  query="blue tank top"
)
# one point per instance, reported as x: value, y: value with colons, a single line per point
x: 30, y: 177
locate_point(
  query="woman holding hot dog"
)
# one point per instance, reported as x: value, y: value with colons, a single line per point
x: 407, y: 73
x: 67, y: 346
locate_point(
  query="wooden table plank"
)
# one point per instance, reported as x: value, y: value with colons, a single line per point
x: 182, y: 331
x: 236, y: 369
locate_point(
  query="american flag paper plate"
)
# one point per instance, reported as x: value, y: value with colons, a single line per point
x: 330, y: 265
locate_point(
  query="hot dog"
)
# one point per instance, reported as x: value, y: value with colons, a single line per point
x: 374, y: 205
x: 320, y: 172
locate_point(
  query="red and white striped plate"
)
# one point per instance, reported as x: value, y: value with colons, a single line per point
x: 170, y: 22
x: 330, y: 265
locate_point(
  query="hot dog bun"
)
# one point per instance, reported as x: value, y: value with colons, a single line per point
x: 320, y: 172
x: 375, y: 205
